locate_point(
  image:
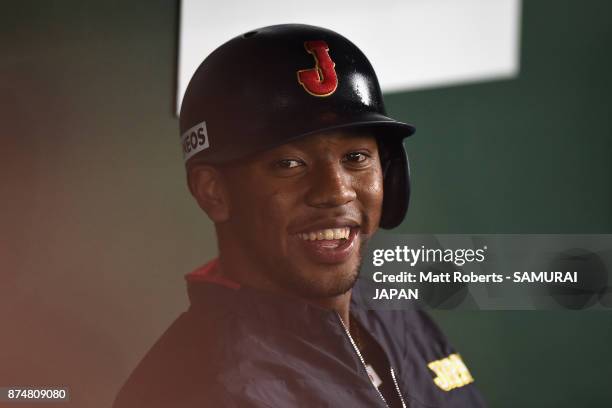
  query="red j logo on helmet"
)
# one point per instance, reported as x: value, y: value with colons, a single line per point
x: 322, y: 79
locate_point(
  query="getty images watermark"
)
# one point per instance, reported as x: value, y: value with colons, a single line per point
x: 487, y: 272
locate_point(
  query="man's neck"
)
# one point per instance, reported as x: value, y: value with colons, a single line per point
x: 340, y: 303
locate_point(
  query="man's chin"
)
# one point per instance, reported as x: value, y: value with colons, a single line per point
x: 318, y: 281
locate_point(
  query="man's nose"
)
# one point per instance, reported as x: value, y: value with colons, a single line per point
x: 330, y: 186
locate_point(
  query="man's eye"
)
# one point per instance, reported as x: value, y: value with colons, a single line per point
x: 289, y: 163
x: 357, y: 157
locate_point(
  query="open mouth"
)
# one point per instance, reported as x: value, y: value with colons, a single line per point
x: 329, y: 245
x: 328, y: 235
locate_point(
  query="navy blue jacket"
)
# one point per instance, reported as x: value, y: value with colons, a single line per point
x: 242, y: 347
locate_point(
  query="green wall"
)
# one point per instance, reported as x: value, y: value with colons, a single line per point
x: 98, y: 227
x: 529, y: 155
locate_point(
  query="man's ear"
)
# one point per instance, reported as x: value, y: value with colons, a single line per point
x: 207, y: 187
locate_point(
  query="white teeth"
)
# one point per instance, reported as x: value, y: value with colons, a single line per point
x: 326, y: 234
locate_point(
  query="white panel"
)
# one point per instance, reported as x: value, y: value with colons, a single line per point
x: 412, y: 44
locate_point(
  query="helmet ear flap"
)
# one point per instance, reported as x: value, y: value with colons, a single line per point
x: 385, y: 155
x: 396, y: 184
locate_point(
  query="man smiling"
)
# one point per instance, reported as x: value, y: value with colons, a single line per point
x: 294, y: 219
x: 289, y: 152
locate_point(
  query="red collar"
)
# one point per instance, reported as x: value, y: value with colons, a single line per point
x: 210, y: 273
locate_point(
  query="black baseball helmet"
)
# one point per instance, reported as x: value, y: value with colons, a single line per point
x: 280, y: 83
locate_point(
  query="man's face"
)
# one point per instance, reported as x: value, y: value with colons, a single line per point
x: 301, y: 213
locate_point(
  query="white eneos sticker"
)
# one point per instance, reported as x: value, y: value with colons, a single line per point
x: 194, y: 140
